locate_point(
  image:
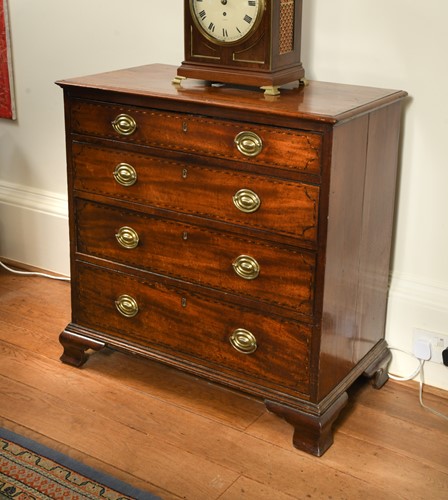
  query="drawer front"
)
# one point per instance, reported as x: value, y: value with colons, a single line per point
x: 277, y: 275
x: 191, y: 326
x: 255, y: 201
x: 271, y: 146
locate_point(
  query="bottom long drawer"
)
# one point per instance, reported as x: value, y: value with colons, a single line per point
x: 193, y: 327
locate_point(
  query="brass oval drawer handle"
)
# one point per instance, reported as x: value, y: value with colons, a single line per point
x: 125, y: 174
x: 124, y: 124
x: 246, y: 267
x: 246, y: 201
x: 127, y: 237
x: 127, y: 306
x: 243, y: 341
x: 249, y: 143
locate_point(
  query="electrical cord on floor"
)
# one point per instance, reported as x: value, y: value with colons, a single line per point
x: 422, y: 381
x: 419, y: 371
x: 32, y: 273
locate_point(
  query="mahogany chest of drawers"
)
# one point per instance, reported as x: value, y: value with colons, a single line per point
x: 241, y: 238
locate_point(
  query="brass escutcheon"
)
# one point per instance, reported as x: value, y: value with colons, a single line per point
x: 246, y: 201
x: 124, y: 124
x: 125, y: 174
x: 243, y: 341
x: 249, y: 143
x: 127, y: 237
x: 127, y: 306
x: 246, y: 267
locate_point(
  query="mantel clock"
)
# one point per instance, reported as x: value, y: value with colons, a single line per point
x: 243, y: 42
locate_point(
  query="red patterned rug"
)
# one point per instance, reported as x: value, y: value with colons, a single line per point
x: 31, y: 471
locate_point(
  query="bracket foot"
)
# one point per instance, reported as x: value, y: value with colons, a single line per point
x: 75, y: 347
x: 312, y: 434
x: 377, y: 371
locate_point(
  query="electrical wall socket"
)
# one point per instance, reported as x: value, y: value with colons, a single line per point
x: 438, y: 342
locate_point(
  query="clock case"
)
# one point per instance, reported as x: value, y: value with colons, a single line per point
x: 270, y: 57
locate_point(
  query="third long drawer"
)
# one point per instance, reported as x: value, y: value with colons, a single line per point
x: 261, y: 270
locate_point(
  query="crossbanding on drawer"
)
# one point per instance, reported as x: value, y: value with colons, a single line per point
x: 193, y: 326
x: 287, y: 207
x: 289, y: 149
x: 274, y: 274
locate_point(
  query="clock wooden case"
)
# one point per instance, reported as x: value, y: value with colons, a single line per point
x: 253, y: 43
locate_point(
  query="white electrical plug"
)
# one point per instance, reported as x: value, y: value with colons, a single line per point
x: 422, y: 349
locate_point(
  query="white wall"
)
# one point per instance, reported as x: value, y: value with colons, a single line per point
x: 397, y: 44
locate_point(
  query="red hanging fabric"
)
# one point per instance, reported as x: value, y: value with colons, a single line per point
x: 6, y: 91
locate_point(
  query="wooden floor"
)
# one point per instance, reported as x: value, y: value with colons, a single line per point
x: 180, y: 437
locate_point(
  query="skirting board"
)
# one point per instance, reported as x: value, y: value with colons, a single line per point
x: 414, y: 304
x: 34, y: 227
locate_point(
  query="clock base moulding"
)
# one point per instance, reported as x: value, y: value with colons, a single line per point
x: 269, y: 82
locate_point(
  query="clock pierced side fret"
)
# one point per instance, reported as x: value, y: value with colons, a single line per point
x: 286, y: 26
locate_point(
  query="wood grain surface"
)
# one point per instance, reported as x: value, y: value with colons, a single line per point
x: 181, y: 437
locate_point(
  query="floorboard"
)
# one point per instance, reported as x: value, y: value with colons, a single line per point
x: 181, y: 437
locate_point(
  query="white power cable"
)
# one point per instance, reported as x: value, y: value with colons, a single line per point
x: 422, y: 381
x: 32, y: 273
x: 408, y: 377
x: 418, y: 371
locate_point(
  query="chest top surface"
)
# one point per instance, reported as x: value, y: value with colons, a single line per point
x: 318, y: 101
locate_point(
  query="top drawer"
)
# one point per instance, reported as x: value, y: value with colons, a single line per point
x: 271, y: 146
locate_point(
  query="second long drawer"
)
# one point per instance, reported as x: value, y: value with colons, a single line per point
x: 257, y: 269
x: 198, y: 188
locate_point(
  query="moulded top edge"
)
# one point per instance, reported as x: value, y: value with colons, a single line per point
x: 318, y: 101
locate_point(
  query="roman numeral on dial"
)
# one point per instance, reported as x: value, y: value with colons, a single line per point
x: 227, y: 21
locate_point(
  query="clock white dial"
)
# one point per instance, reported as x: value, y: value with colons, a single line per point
x: 227, y: 21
